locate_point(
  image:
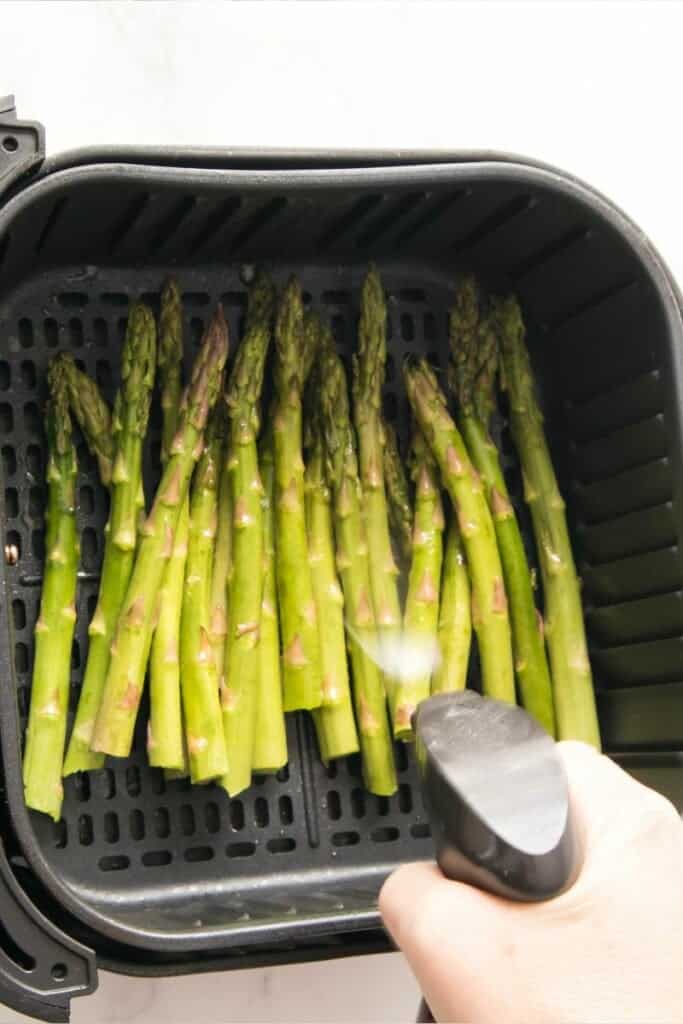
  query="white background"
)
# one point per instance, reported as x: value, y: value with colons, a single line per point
x: 593, y: 87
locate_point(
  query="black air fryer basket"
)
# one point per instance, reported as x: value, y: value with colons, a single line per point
x: 154, y: 876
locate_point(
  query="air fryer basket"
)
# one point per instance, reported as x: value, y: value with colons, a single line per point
x: 301, y: 856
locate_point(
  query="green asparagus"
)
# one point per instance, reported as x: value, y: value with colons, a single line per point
x: 301, y: 653
x: 398, y: 495
x: 421, y: 616
x: 463, y: 483
x: 92, y: 414
x: 242, y: 659
x: 123, y: 688
x: 352, y: 562
x: 54, y: 629
x: 201, y: 704
x: 129, y: 425
x: 270, y: 740
x: 575, y: 711
x: 222, y: 556
x: 165, y: 731
x: 474, y: 351
x: 334, y: 720
x: 455, y: 619
x: 368, y: 381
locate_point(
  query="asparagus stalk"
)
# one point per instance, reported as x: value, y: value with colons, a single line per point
x: 129, y: 425
x: 463, y: 483
x: 352, y: 562
x: 575, y: 711
x: 368, y: 381
x: 54, y: 629
x: 123, y: 688
x: 222, y: 557
x: 455, y: 619
x: 474, y: 351
x: 165, y: 741
x: 334, y: 721
x: 398, y: 495
x: 92, y: 414
x: 201, y: 704
x: 170, y: 362
x: 301, y: 654
x: 421, y: 616
x: 270, y: 740
x: 242, y: 658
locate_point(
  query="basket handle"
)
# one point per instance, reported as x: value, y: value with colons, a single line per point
x: 22, y: 144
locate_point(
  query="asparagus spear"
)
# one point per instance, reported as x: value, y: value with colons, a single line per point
x: 368, y: 380
x: 270, y: 740
x: 123, y: 688
x: 92, y: 415
x: 455, y: 619
x: 421, y: 616
x: 301, y: 654
x: 398, y: 495
x: 165, y: 731
x: 201, y: 704
x: 474, y: 350
x: 463, y: 483
x: 334, y: 720
x: 352, y: 562
x: 170, y: 362
x: 222, y: 556
x: 575, y: 711
x: 54, y: 629
x: 129, y: 425
x: 242, y: 659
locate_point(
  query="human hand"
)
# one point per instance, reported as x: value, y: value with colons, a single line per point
x: 610, y: 949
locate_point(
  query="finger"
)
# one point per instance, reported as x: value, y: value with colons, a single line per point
x: 452, y: 934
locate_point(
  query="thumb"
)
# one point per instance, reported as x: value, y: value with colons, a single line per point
x: 456, y: 938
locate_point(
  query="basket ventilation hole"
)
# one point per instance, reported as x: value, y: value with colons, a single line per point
x: 345, y: 839
x: 188, y: 824
x: 34, y: 460
x: 334, y: 805
x: 281, y: 845
x: 118, y: 862
x: 85, y: 831
x: 212, y: 817
x: 111, y: 827
x: 19, y: 613
x: 9, y: 460
x: 25, y: 330
x: 156, y: 859
x: 241, y: 849
x: 405, y: 798
x: 162, y: 823
x: 385, y: 835
x: 261, y: 813
x: 197, y: 854
x: 21, y: 658
x: 357, y: 803
x: 133, y: 780
x: 237, y: 815
x: 286, y: 810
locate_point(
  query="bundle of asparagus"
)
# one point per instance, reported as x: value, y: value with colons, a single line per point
x: 264, y: 578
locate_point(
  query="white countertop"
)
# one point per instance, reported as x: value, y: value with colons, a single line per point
x: 592, y: 87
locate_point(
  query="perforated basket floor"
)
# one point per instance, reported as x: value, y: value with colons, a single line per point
x: 172, y: 869
x: 127, y: 835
